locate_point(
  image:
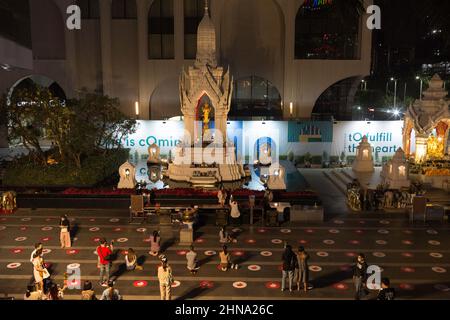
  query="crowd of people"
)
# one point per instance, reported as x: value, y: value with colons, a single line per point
x: 295, y: 267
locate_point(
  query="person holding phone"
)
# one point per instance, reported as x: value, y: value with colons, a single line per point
x: 104, y: 252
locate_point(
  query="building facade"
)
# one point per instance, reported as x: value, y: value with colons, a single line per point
x: 282, y: 54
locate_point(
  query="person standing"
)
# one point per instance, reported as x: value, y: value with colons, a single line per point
x: 104, y: 252
x: 155, y: 243
x: 192, y: 263
x: 221, y: 196
x: 111, y: 293
x: 37, y: 246
x: 359, y: 275
x: 289, y: 262
x: 64, y: 235
x: 166, y: 280
x: 235, y: 213
x: 302, y: 268
x: 386, y: 292
x: 40, y: 272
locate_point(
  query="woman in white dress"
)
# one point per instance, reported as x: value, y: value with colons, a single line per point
x: 40, y: 272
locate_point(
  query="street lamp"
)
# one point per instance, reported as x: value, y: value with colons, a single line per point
x: 421, y: 86
x: 395, y: 92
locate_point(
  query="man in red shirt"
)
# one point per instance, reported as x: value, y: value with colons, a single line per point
x: 104, y: 251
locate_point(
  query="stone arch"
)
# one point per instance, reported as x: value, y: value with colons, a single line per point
x: 165, y: 100
x: 41, y: 80
x: 248, y: 43
x: 337, y: 100
x: 47, y: 30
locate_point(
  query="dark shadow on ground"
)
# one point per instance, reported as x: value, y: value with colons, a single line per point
x: 74, y: 230
x: 121, y: 269
x: 330, y: 279
x: 192, y: 294
x: 206, y: 260
x: 167, y: 244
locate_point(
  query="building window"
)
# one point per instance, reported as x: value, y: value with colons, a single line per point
x: 124, y: 9
x: 193, y: 14
x: 327, y: 33
x: 90, y: 9
x: 255, y: 97
x: 161, y: 30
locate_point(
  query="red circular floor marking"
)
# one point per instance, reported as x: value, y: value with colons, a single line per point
x: 407, y: 255
x: 436, y: 255
x: 433, y: 232
x: 141, y: 230
x: 406, y: 286
x: 408, y: 270
x: 140, y: 284
x: 254, y: 267
x: 338, y: 222
x: 72, y: 251
x: 434, y: 243
x: 266, y: 253
x: 354, y: 242
x: 322, y: 254
x: 334, y: 231
x: 340, y: 286
x: 92, y: 220
x: 122, y: 240
x: 407, y: 232
x: 237, y: 230
x: 47, y: 228
x: 350, y: 254
x: 23, y: 228
x: 181, y: 252
x: 262, y: 230
x: 114, y: 220
x: 439, y: 270
x: 96, y: 239
x: 273, y: 285
x: 315, y: 268
x: 2, y: 228
x: 25, y: 219
x: 285, y: 230
x: 346, y: 268
x: 199, y: 240
x: 210, y: 253
x: 309, y: 231
x: 46, y: 251
x: 250, y: 241
x: 385, y: 222
x: 328, y: 242
x: 94, y: 229
x: 238, y: 253
x: 383, y: 231
x: 17, y: 251
x: 20, y: 239
x: 381, y: 242
x: 303, y: 241
x: 407, y: 242
x: 147, y: 240
x: 277, y: 241
x: 206, y: 284
x: 239, y: 285
x: 14, y: 265
x: 359, y: 232
x: 176, y: 284
x: 379, y: 254
x: 117, y: 229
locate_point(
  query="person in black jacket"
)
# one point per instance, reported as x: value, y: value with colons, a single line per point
x: 289, y: 263
x: 359, y: 275
x: 386, y: 292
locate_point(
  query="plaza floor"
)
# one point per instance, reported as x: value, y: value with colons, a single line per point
x: 416, y: 257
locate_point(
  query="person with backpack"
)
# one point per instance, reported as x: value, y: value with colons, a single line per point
x: 289, y: 263
x: 166, y: 280
x: 64, y: 235
x: 104, y: 252
x: 359, y: 275
x: 111, y: 293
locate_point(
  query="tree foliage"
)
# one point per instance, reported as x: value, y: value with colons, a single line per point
x: 78, y: 128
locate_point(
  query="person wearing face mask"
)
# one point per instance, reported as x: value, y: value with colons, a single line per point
x: 359, y: 275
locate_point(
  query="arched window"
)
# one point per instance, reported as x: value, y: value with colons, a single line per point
x: 124, y: 9
x: 255, y: 97
x: 161, y: 30
x: 90, y: 9
x: 328, y: 32
x: 193, y: 14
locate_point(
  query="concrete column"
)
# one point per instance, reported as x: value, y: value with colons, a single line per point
x: 105, y: 36
x: 143, y: 6
x: 178, y: 13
